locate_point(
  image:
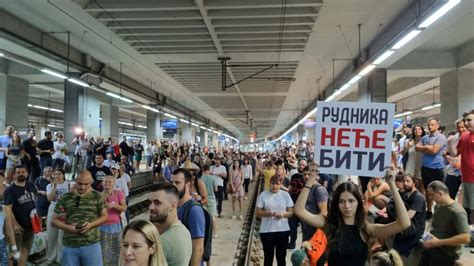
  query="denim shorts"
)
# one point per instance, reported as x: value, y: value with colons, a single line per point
x: 3, y: 252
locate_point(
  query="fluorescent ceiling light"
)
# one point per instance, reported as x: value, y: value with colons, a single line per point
x: 217, y: 132
x: 336, y: 93
x: 344, y: 87
x: 54, y: 73
x: 30, y: 105
x: 170, y: 115
x: 184, y: 121
x: 354, y: 79
x: 366, y: 70
x: 41, y: 107
x: 384, y: 56
x: 56, y: 110
x: 208, y: 130
x: 126, y: 99
x: 430, y: 107
x: 194, y: 124
x: 403, y: 114
x: 125, y: 123
x: 330, y: 98
x: 439, y: 13
x: 111, y: 94
x: 412, y: 34
x: 437, y: 105
x: 140, y: 126
x: 2, y: 54
x: 202, y: 127
x: 146, y: 107
x: 151, y: 108
x: 53, y: 126
x: 78, y: 82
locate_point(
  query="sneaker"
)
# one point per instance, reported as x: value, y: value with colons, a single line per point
x: 241, y: 217
x: 234, y: 217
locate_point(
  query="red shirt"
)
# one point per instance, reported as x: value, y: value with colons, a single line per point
x: 466, y: 150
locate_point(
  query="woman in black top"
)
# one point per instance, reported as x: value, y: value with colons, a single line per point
x: 347, y: 230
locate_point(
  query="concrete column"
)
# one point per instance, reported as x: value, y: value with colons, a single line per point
x: 310, y: 133
x: 186, y: 134
x: 153, y: 123
x: 81, y: 111
x: 456, y: 95
x: 215, y: 140
x: 373, y: 87
x: 206, y: 138
x: 13, y: 102
x: 110, y: 118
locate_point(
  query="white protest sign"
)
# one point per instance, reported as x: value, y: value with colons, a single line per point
x: 353, y: 138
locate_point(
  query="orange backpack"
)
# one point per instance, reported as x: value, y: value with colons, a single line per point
x: 318, y: 245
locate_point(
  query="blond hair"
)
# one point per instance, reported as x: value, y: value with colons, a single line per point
x: 152, y: 238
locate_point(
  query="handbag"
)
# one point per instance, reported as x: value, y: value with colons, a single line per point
x: 229, y: 189
x: 318, y: 246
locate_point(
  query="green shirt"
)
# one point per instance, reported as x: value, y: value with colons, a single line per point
x: 449, y: 221
x: 75, y: 209
x: 177, y: 245
x: 211, y: 185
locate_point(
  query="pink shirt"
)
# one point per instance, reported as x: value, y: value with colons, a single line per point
x: 114, y: 215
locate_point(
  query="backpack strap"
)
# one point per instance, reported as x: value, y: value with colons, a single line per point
x: 186, y: 213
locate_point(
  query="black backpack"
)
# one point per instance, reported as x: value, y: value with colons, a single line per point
x: 207, y: 230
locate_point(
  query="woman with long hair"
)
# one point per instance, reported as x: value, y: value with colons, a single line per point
x: 347, y: 229
x: 386, y: 258
x: 14, y: 155
x: 141, y: 245
x: 236, y: 183
x: 413, y: 167
x: 111, y: 228
x: 55, y: 190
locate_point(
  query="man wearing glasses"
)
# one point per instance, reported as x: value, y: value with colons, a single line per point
x: 79, y: 214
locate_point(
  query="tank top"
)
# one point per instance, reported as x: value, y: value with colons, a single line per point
x: 352, y: 251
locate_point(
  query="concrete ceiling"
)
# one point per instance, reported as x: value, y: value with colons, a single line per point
x: 174, y: 45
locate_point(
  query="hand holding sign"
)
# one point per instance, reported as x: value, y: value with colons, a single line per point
x: 390, y: 174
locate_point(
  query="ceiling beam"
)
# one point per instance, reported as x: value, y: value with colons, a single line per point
x: 142, y: 5
x: 148, y: 15
x: 248, y: 4
x: 234, y: 94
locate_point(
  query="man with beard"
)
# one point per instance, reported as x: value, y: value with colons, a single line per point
x: 32, y: 163
x: 19, y: 201
x: 175, y: 237
x: 182, y: 179
x: 415, y: 203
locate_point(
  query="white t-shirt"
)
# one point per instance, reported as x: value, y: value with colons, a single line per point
x: 121, y: 184
x: 215, y: 170
x: 61, y: 189
x: 274, y: 202
x: 247, y: 171
x: 58, y: 147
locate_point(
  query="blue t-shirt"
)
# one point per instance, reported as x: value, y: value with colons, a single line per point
x: 434, y: 161
x: 5, y: 141
x: 196, y: 220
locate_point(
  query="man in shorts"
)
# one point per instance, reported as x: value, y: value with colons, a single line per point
x: 19, y: 201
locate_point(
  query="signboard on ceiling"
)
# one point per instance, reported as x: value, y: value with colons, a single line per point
x: 169, y: 124
x: 354, y: 138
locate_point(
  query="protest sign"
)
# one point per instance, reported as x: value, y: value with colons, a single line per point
x: 354, y: 138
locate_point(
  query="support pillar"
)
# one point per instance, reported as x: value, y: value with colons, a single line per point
x: 81, y: 111
x: 310, y: 133
x: 110, y: 118
x: 456, y: 95
x: 153, y: 123
x: 215, y: 140
x: 186, y: 134
x: 13, y: 102
x: 373, y: 87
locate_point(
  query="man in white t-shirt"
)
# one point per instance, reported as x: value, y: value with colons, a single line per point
x: 221, y: 173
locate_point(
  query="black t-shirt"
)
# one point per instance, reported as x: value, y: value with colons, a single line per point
x: 407, y: 239
x: 22, y: 200
x: 124, y: 147
x: 29, y: 145
x: 99, y: 173
x: 101, y: 149
x: 296, y: 186
x: 45, y: 144
x: 138, y: 149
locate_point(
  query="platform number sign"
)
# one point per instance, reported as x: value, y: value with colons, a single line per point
x: 354, y: 138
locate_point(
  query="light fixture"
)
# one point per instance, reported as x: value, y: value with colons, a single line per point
x: 55, y: 126
x: 194, y: 124
x: 2, y: 54
x: 184, y: 121
x: 384, y: 56
x: 336, y: 93
x: 439, y: 13
x: 412, y: 34
x: 78, y: 82
x: 56, y: 110
x: 41, y: 107
x: 403, y: 114
x: 125, y: 123
x: 170, y: 115
x: 344, y: 87
x: 202, y: 127
x: 354, y: 79
x: 430, y: 107
x: 53, y: 73
x: 140, y: 126
x: 330, y: 98
x: 151, y: 108
x: 125, y: 99
x: 366, y: 70
x: 111, y: 94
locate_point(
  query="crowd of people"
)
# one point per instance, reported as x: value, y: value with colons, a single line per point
x: 409, y: 216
